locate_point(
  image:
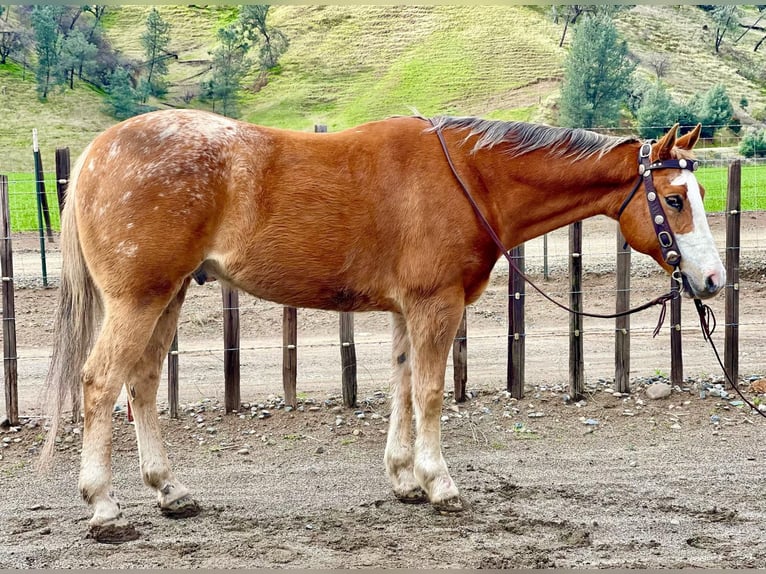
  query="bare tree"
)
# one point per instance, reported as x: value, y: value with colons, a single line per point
x: 660, y: 63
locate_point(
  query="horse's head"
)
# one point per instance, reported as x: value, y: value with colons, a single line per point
x: 667, y: 220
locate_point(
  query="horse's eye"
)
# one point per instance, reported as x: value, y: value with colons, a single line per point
x: 675, y: 201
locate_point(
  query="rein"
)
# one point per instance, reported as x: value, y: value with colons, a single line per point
x: 665, y: 237
x: 661, y: 300
x: 706, y: 316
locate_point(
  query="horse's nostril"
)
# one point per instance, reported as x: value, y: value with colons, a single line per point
x: 711, y: 284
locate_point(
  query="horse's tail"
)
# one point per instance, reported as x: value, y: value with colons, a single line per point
x: 75, y: 323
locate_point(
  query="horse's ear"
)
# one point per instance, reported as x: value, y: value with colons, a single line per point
x: 666, y: 144
x: 688, y: 141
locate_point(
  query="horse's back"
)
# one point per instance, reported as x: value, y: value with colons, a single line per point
x: 347, y: 220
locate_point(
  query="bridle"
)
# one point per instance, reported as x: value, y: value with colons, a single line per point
x: 664, y: 233
x: 665, y: 237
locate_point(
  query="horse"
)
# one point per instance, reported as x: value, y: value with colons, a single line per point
x: 371, y: 218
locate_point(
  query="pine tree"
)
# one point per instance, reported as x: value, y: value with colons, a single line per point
x: 229, y: 66
x: 155, y: 40
x: 597, y: 75
x: 76, y: 53
x: 271, y: 41
x: 123, y: 100
x: 47, y: 40
x: 714, y: 110
x: 657, y: 113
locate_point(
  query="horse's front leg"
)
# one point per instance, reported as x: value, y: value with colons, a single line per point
x: 432, y: 326
x: 399, y: 457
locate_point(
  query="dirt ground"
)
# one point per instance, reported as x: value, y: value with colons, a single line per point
x: 611, y: 481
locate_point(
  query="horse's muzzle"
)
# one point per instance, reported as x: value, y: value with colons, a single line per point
x: 714, y: 282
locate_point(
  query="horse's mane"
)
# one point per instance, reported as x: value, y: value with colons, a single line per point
x: 525, y: 137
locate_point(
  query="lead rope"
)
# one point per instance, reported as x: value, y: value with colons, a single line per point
x: 707, y: 316
x: 661, y: 300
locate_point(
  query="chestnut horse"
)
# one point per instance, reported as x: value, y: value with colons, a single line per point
x: 370, y: 218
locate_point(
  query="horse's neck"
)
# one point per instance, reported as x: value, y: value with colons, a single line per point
x: 535, y: 194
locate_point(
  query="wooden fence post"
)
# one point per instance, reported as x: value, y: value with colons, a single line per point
x: 622, y: 324
x: 347, y: 346
x: 62, y: 174
x: 173, y: 378
x: 733, y: 207
x: 42, y: 198
x: 10, y: 360
x: 676, y: 351
x: 290, y: 355
x: 348, y: 358
x: 576, y: 360
x: 460, y: 359
x: 516, y: 327
x: 231, y: 348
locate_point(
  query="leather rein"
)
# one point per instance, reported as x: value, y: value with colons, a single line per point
x: 664, y: 233
x: 665, y: 237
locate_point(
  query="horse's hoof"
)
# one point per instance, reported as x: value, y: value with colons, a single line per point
x: 415, y: 496
x: 184, y: 507
x: 450, y: 505
x: 113, y: 532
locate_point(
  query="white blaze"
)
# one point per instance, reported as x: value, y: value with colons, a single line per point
x: 699, y: 256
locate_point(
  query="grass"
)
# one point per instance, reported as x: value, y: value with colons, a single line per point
x: 22, y: 198
x: 715, y: 182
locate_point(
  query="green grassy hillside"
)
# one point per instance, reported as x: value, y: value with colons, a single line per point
x: 684, y: 36
x: 69, y: 118
x: 350, y: 64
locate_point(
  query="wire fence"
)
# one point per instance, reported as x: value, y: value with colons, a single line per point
x: 201, y: 356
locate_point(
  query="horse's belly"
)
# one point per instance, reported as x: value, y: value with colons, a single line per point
x: 308, y: 284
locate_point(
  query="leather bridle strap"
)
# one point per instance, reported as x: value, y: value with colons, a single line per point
x: 661, y: 300
x: 665, y: 236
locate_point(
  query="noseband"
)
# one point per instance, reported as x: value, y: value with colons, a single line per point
x: 662, y: 230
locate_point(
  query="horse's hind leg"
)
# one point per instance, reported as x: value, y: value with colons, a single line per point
x: 173, y: 497
x: 432, y: 325
x: 123, y: 338
x: 399, y: 457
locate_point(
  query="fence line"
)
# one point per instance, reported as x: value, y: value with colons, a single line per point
x: 516, y: 332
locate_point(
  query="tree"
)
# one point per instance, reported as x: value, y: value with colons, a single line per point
x: 155, y: 40
x: 714, y: 110
x: 657, y: 113
x: 271, y: 41
x: 98, y: 12
x: 76, y: 50
x: 753, y: 144
x: 123, y: 100
x: 11, y: 42
x: 726, y: 18
x: 572, y: 12
x: 597, y: 75
x: 659, y: 62
x: 229, y: 66
x: 47, y: 38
